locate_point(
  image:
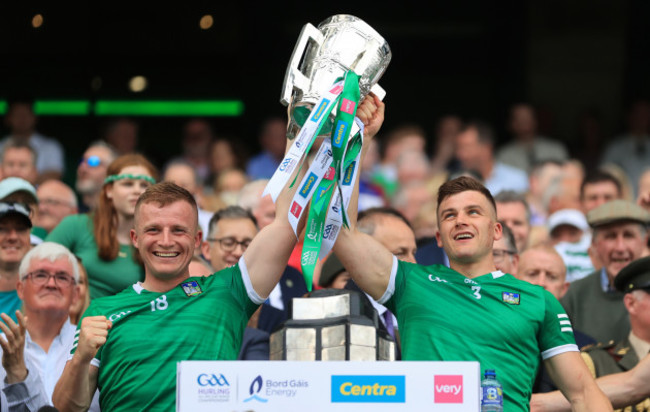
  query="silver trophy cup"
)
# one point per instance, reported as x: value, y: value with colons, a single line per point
x: 340, y: 43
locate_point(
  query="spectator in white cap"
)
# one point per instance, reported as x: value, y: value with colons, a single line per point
x: 18, y: 190
x: 571, y: 237
x: 14, y: 244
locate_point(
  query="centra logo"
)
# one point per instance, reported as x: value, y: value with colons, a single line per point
x: 349, y: 172
x: 309, y: 184
x: 368, y: 389
x: 341, y: 131
x: 319, y: 112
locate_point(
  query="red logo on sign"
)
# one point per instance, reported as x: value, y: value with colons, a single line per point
x: 336, y: 90
x: 296, y: 209
x: 448, y: 389
x: 347, y: 106
x: 329, y: 175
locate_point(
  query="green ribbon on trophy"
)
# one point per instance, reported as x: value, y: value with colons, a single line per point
x: 342, y: 157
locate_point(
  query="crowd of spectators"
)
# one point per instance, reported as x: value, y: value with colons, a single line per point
x: 571, y: 225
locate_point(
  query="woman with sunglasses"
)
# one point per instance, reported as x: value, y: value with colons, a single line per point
x: 102, y: 238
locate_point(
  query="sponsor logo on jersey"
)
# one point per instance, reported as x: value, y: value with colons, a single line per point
x: 510, y: 297
x: 347, y: 106
x: 369, y: 388
x: 191, y: 288
x: 436, y: 279
x: 212, y: 379
x: 115, y: 316
x: 341, y: 132
x: 565, y: 323
x: 309, y: 184
x: 448, y: 389
x: 320, y: 110
x: 349, y: 172
x: 296, y: 209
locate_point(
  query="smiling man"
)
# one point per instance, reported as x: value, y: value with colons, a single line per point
x: 231, y: 231
x: 470, y: 311
x: 14, y: 244
x: 35, y: 353
x: 170, y: 316
x: 619, y: 236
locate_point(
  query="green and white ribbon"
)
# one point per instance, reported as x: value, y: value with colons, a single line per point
x: 330, y: 176
x: 347, y: 105
x: 303, y: 142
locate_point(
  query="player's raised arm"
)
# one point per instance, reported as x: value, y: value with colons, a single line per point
x: 368, y: 261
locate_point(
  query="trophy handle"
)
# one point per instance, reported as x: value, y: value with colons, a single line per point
x: 293, y: 76
x: 378, y: 91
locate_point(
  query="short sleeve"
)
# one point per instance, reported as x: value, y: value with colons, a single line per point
x: 556, y: 335
x: 91, y: 311
x: 395, y: 288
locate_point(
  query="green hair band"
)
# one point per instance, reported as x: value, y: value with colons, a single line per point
x: 113, y: 178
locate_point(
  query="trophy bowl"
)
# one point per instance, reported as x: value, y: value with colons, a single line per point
x: 322, y: 56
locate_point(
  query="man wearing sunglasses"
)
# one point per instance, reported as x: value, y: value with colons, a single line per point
x: 34, y: 353
x: 92, y: 172
x: 14, y: 244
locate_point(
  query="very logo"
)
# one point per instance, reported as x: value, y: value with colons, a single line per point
x: 448, y: 389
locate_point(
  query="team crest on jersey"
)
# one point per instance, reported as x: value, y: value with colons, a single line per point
x: 191, y: 288
x: 511, y: 298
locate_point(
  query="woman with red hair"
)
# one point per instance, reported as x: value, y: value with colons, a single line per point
x: 102, y: 238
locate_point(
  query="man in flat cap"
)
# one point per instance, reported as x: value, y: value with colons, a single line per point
x: 619, y: 237
x: 602, y: 360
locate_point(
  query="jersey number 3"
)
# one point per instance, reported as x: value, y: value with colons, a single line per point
x: 159, y: 304
x: 477, y: 292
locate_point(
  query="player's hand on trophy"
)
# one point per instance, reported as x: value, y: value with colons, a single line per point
x: 13, y: 347
x: 92, y: 335
x: 371, y: 113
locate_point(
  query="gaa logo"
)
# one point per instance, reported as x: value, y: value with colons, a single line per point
x: 205, y: 379
x: 286, y: 164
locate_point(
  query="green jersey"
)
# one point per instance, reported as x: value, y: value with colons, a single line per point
x: 203, y: 318
x: 502, y: 322
x: 105, y: 277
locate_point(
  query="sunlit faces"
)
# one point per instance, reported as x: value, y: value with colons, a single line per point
x: 545, y: 268
x: 53, y: 296
x: 396, y: 236
x: 618, y: 244
x: 228, y: 241
x: 14, y: 240
x: 596, y: 194
x: 513, y: 214
x: 467, y: 227
x: 166, y: 238
x: 125, y: 192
